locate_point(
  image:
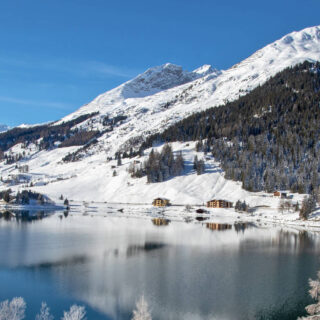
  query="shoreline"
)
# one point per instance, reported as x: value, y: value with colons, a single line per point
x: 177, y: 213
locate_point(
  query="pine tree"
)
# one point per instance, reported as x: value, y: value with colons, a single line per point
x: 308, y: 205
x: 200, y: 167
x: 6, y: 197
x: 195, y: 162
x: 119, y: 162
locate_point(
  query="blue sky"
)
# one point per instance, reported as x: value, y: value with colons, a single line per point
x: 58, y: 55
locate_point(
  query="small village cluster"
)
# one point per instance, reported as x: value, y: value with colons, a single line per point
x: 163, y: 202
x: 214, y: 203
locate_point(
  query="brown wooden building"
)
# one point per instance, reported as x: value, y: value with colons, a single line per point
x: 283, y: 195
x: 161, y: 202
x: 219, y: 204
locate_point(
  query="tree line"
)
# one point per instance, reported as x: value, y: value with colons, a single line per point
x: 159, y: 166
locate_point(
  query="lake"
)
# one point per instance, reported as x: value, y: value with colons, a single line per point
x: 185, y: 270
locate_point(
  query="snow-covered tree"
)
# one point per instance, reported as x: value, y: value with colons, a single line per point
x: 314, y: 309
x: 44, y: 313
x: 142, y: 310
x: 241, y: 206
x: 75, y: 313
x: 13, y: 310
x: 308, y: 205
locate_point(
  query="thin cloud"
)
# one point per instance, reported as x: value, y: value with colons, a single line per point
x: 79, y: 68
x: 34, y: 103
x: 96, y: 67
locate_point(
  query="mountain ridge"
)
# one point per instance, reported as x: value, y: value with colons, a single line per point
x: 114, y: 124
x: 165, y: 107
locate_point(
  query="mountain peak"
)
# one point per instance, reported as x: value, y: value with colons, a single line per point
x: 205, y: 70
x: 161, y: 78
x: 153, y: 80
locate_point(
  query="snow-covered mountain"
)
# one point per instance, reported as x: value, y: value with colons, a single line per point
x: 148, y: 104
x: 163, y: 95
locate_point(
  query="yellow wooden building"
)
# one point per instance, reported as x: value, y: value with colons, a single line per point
x: 161, y: 202
x: 219, y: 204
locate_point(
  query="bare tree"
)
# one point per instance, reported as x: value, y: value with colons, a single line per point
x: 75, y: 313
x: 44, y: 313
x: 314, y: 309
x: 13, y: 310
x: 142, y: 310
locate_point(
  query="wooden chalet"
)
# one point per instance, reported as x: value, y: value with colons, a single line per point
x: 219, y: 204
x: 282, y: 195
x: 161, y: 202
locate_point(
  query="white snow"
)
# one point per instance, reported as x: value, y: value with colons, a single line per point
x: 151, y: 102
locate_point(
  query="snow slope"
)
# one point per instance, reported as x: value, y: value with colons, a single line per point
x: 163, y: 95
x: 151, y: 102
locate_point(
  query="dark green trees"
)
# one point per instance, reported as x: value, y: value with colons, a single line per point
x: 267, y: 139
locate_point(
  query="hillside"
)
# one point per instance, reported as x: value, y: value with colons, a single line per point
x: 75, y: 156
x: 268, y: 139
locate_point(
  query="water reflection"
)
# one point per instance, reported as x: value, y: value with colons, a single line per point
x: 23, y: 215
x: 202, y: 218
x: 7, y: 215
x: 184, y: 270
x: 160, y: 221
x: 242, y: 226
x: 65, y: 262
x: 218, y: 226
x: 134, y: 250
